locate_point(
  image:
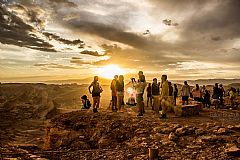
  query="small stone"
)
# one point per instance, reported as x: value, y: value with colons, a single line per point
x: 181, y: 131
x: 172, y: 137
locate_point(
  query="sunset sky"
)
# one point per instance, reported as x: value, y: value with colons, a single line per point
x: 63, y: 39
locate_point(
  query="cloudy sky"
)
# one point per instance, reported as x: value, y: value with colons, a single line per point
x: 64, y: 39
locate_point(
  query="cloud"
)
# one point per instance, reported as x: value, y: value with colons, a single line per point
x: 15, y: 31
x: 109, y: 49
x: 77, y: 42
x: 54, y: 65
x: 65, y: 2
x: 216, y: 38
x: 92, y: 53
x: 169, y: 22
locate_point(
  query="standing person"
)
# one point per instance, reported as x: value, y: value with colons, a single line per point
x: 216, y: 95
x: 96, y: 91
x: 149, y: 94
x: 196, y: 92
x: 175, y: 94
x: 120, y: 93
x: 155, y: 95
x: 221, y: 94
x: 238, y: 91
x: 114, y: 93
x: 140, y: 86
x: 140, y: 74
x: 171, y: 100
x: 185, y: 92
x: 206, y: 99
x: 164, y: 96
x: 232, y: 94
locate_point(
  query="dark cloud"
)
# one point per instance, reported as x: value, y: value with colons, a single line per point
x: 31, y: 14
x: 76, y: 58
x: 79, y: 62
x: 107, y: 32
x: 92, y: 53
x: 65, y: 2
x: 169, y: 22
x: 77, y: 42
x: 109, y: 49
x: 53, y: 65
x: 222, y: 20
x: 15, y: 31
x: 217, y: 38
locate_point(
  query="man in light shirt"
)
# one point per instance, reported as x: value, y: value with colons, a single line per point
x: 140, y: 87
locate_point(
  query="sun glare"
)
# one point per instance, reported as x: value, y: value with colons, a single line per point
x: 110, y: 70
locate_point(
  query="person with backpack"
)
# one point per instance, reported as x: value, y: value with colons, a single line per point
x: 96, y: 91
x: 120, y: 93
x: 86, y: 104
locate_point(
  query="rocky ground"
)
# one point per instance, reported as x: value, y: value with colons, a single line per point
x: 28, y: 132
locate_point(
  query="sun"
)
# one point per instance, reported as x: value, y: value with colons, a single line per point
x: 110, y: 70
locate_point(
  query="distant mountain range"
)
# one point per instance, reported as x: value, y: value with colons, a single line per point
x: 211, y: 81
x: 108, y: 81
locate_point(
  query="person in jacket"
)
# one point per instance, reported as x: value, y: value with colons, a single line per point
x: 185, y: 91
x: 96, y: 91
x: 120, y: 93
x: 114, y: 93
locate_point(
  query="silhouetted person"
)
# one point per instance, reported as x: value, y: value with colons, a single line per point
x: 175, y: 94
x: 142, y: 77
x: 221, y: 94
x: 206, y: 99
x: 114, y: 93
x: 185, y: 91
x: 171, y: 100
x: 238, y: 91
x: 120, y: 93
x: 149, y: 94
x: 96, y: 91
x: 155, y: 95
x: 216, y: 92
x: 216, y: 95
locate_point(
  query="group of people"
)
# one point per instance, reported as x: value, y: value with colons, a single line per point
x: 160, y: 95
x: 154, y: 95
